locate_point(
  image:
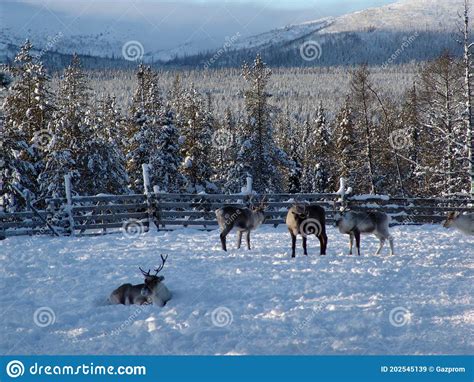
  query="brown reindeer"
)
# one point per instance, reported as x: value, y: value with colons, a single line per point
x: 307, y: 220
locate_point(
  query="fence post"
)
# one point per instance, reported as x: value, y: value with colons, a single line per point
x: 146, y: 189
x: 67, y: 188
x: 343, y: 191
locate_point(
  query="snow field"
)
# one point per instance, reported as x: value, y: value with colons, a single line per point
x: 54, y: 290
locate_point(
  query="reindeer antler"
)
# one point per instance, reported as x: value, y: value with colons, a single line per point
x: 145, y: 273
x: 163, y: 260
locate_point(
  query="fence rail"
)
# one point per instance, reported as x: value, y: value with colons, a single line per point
x: 102, y: 213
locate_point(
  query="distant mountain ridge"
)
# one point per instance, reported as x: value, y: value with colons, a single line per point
x: 371, y: 35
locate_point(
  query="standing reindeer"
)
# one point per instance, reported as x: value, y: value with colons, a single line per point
x: 464, y: 223
x: 356, y: 222
x: 152, y: 291
x: 243, y: 219
x: 307, y: 220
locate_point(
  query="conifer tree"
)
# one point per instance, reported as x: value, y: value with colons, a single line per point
x: 258, y: 155
x: 27, y: 111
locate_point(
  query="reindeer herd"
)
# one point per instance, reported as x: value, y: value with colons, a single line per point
x: 301, y: 219
x: 306, y: 219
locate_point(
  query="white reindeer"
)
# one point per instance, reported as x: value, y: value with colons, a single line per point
x: 356, y: 222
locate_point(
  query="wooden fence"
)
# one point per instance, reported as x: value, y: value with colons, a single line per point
x: 107, y: 213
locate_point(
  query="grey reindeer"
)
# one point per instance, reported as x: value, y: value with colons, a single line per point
x: 152, y: 291
x: 243, y: 219
x: 462, y: 222
x: 307, y: 220
x: 355, y: 223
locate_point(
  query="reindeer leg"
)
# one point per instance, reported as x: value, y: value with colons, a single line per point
x: 305, y: 250
x: 351, y: 242
x: 248, y: 239
x: 382, y: 242
x: 357, y: 237
x: 390, y: 241
x: 223, y: 237
x: 239, y: 239
x: 323, y: 239
x: 293, y: 244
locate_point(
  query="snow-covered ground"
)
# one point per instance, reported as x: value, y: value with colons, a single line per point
x: 419, y: 301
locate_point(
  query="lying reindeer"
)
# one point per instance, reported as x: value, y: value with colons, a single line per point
x: 356, y: 222
x: 152, y: 291
x: 307, y: 220
x: 243, y: 219
x: 462, y: 222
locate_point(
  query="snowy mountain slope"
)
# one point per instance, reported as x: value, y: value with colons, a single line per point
x: 368, y: 36
x: 404, y: 15
x: 376, y: 30
x: 240, y: 302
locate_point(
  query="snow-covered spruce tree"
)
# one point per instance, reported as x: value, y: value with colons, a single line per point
x: 308, y: 145
x: 146, y: 116
x: 442, y: 106
x: 165, y: 160
x: 288, y: 136
x: 225, y: 146
x: 348, y: 154
x: 196, y: 130
x: 295, y: 172
x: 27, y: 111
x: 113, y: 123
x: 104, y: 151
x: 362, y: 104
x: 322, y: 140
x: 78, y: 146
x: 258, y: 155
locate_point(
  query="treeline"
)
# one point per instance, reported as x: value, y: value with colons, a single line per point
x: 413, y: 146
